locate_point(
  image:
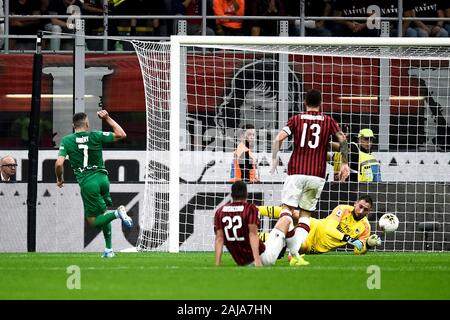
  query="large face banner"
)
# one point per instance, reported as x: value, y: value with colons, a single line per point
x: 254, y: 93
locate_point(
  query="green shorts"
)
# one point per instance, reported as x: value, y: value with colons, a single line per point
x: 95, y: 194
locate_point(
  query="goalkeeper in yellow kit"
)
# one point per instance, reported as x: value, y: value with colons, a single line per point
x: 345, y: 225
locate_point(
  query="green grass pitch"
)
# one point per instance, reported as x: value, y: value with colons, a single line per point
x: 192, y: 276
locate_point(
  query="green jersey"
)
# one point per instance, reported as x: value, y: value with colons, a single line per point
x: 85, y: 152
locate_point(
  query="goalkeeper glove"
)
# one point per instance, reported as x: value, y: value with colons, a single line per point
x: 373, y: 241
x: 358, y: 244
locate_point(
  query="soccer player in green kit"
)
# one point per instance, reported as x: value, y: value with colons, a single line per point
x: 84, y: 149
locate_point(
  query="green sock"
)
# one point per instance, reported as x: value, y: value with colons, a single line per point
x: 104, y: 219
x: 108, y: 235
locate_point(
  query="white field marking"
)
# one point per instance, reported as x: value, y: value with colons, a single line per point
x: 364, y: 268
x: 88, y: 268
x: 158, y: 254
x: 294, y: 269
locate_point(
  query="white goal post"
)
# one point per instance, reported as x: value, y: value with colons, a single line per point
x: 376, y: 83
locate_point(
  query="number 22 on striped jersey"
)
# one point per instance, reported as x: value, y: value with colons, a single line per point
x: 233, y: 223
x: 315, y: 128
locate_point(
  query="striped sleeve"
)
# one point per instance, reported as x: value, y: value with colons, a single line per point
x: 290, y: 127
x: 334, y: 126
x: 217, y: 225
x: 253, y: 216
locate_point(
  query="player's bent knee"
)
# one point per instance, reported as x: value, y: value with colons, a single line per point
x: 91, y: 221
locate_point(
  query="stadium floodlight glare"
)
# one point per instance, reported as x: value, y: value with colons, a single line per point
x: 403, y: 98
x: 201, y: 90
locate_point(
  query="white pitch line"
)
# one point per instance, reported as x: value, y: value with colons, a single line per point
x: 284, y: 268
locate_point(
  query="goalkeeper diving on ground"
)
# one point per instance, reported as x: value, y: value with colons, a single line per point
x: 344, y: 225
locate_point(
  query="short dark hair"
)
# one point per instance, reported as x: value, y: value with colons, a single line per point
x: 313, y: 98
x: 244, y: 128
x: 78, y: 119
x: 248, y: 126
x: 366, y: 198
x: 239, y: 190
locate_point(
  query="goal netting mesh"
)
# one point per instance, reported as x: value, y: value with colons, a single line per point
x: 224, y: 99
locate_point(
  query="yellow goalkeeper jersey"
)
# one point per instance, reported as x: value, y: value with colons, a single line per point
x: 326, y: 234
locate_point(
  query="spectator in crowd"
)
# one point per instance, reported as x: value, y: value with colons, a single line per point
x: 266, y: 8
x: 447, y: 15
x: 65, y: 7
x: 121, y: 27
x: 29, y: 26
x: 428, y: 9
x: 244, y: 165
x: 148, y: 27
x: 363, y: 165
x: 232, y: 8
x: 349, y: 27
x: 93, y: 27
x: 8, y: 169
x: 389, y: 9
x: 46, y: 24
x: 194, y: 8
x: 165, y: 7
x: 135, y: 27
x: 318, y: 8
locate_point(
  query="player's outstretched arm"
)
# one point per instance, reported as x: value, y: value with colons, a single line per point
x: 358, y: 244
x: 343, y: 147
x: 369, y: 243
x: 59, y: 171
x: 119, y: 133
x: 254, y: 243
x: 219, y: 246
x: 281, y: 136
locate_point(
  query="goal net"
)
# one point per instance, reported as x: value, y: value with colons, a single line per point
x: 215, y: 104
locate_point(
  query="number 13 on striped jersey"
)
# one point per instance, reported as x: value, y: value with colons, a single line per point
x: 315, y: 128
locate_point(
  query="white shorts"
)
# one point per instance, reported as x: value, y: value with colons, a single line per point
x: 302, y: 191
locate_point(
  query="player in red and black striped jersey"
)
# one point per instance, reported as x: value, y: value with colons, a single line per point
x: 236, y: 226
x: 311, y: 131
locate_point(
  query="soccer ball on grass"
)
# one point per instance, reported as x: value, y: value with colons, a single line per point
x: 388, y: 222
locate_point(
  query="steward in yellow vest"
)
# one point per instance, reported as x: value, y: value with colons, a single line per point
x: 363, y: 165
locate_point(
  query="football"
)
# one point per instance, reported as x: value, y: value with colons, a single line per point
x: 388, y: 222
